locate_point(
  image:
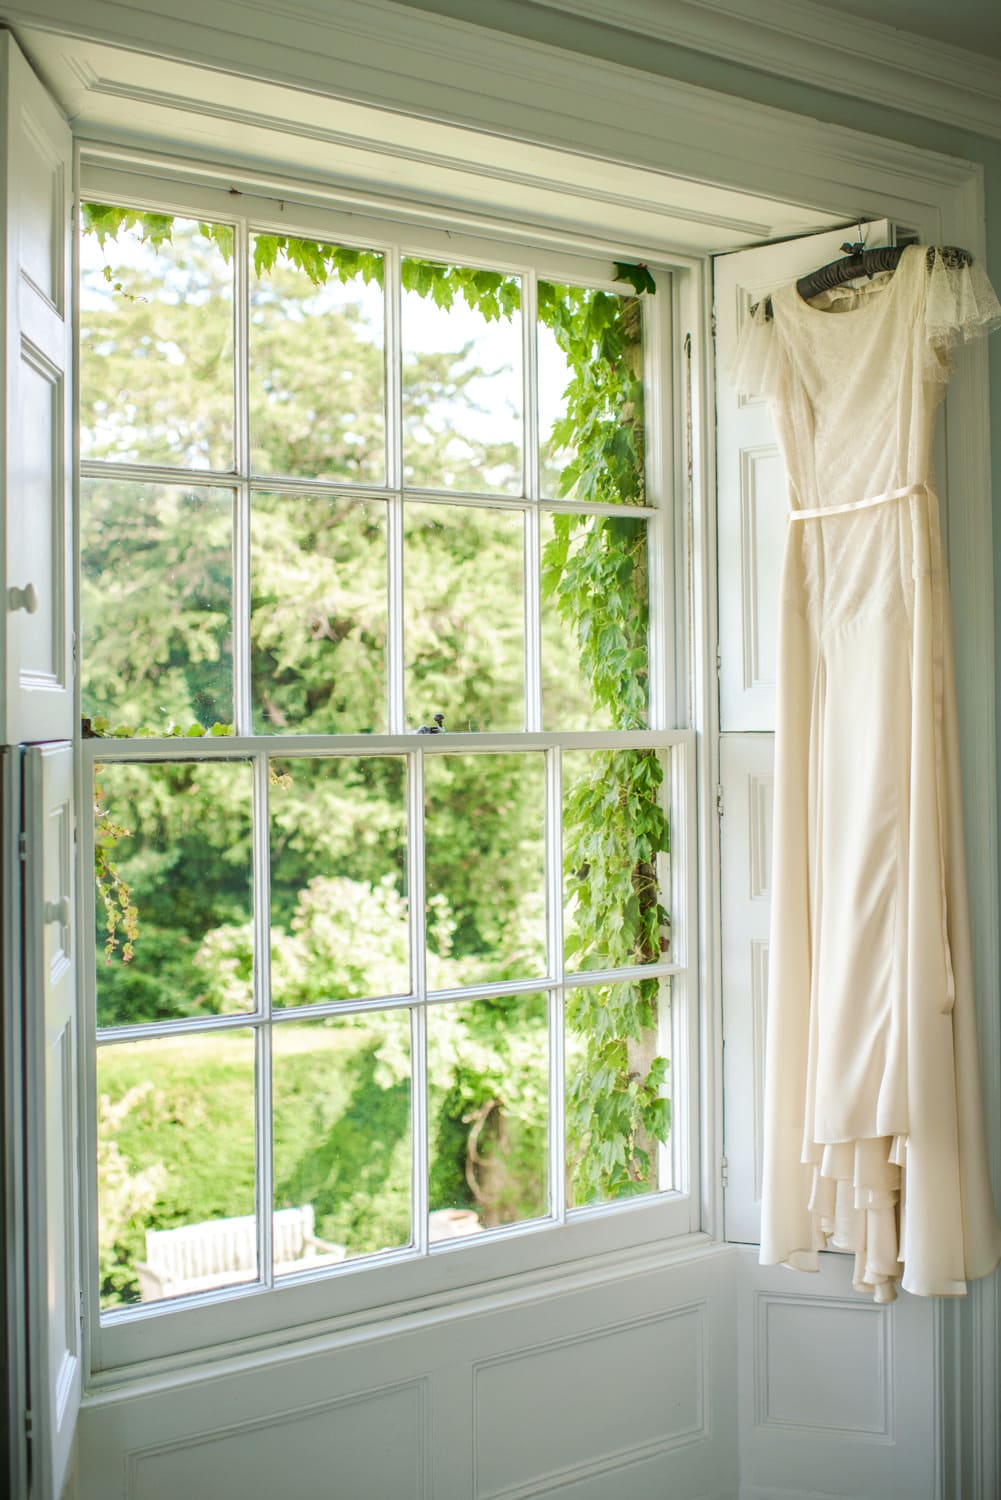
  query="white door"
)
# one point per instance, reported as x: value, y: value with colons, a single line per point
x: 36, y: 620
x: 836, y: 1395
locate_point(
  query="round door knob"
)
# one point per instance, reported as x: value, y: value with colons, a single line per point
x: 26, y: 598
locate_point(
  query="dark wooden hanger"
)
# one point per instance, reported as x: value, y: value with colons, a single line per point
x: 858, y: 261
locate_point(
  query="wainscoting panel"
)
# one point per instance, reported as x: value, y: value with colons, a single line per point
x: 659, y: 1368
x: 836, y: 1394
x: 373, y: 1443
x: 625, y: 1387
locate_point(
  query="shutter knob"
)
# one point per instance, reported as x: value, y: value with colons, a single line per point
x: 26, y: 599
x: 57, y: 911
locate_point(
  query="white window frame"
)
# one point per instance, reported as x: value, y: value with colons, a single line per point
x: 396, y: 1280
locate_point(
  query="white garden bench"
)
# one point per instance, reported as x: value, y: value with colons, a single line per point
x: 221, y: 1252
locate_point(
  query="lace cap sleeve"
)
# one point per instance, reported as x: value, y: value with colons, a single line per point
x: 756, y: 365
x: 960, y: 304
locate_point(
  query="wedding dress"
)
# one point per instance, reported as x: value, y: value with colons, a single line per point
x: 874, y: 1138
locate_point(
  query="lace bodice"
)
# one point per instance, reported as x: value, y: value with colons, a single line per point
x: 854, y: 377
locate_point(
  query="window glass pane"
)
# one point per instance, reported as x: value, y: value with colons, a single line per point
x: 484, y: 827
x: 342, y: 1141
x: 175, y: 1166
x: 339, y: 908
x: 595, y: 622
x: 462, y: 379
x: 488, y: 1073
x: 615, y: 848
x: 156, y: 584
x: 318, y: 615
x: 617, y: 1058
x: 173, y: 901
x: 156, y: 339
x: 591, y: 434
x: 464, y: 604
x: 317, y: 362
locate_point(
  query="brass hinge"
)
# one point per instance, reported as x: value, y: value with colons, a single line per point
x: 22, y: 847
x: 724, y: 1171
x: 719, y: 799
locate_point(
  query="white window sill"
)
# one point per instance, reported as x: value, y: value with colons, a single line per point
x: 288, y: 1333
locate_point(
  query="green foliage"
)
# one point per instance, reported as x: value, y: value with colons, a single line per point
x: 638, y: 277
x: 342, y: 1133
x: 319, y: 261
x: 615, y: 1102
x: 488, y: 1098
x: 175, y: 1144
x: 119, y: 913
x: 317, y: 642
x: 615, y: 829
x: 105, y: 220
x: 488, y: 293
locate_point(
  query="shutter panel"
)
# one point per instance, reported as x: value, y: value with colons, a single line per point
x: 35, y: 215
x: 13, y: 1354
x: 51, y: 1115
x: 745, y: 891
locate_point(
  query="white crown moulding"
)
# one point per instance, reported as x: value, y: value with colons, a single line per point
x: 809, y: 43
x: 795, y: 39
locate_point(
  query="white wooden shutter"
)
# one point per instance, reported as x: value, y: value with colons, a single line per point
x: 51, y: 1114
x: 745, y: 892
x: 13, y: 1352
x: 35, y: 213
x: 751, y: 521
x: 37, y: 705
x: 829, y: 1384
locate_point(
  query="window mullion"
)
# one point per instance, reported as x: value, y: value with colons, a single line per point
x: 262, y: 1006
x: 242, y: 712
x: 533, y: 599
x: 416, y: 856
x: 392, y: 300
x: 554, y: 951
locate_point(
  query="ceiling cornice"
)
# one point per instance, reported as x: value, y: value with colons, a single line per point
x: 808, y: 42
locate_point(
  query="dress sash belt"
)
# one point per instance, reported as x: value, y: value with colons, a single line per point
x: 843, y: 510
